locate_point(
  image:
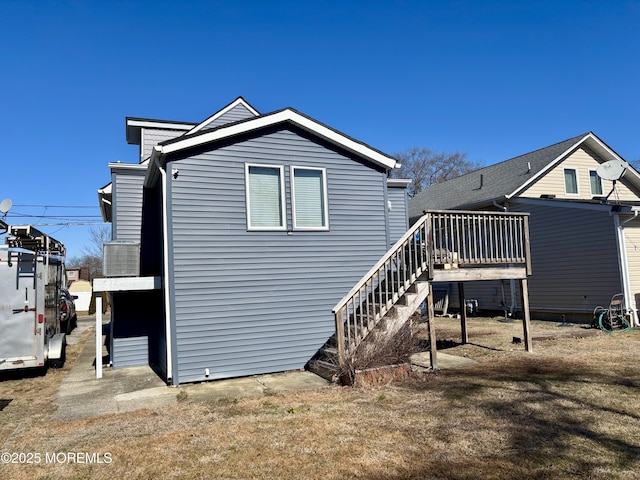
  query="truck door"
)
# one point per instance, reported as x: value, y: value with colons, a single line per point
x: 17, y: 307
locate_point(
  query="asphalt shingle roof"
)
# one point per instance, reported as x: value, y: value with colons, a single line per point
x: 488, y: 183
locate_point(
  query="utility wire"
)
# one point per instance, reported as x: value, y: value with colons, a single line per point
x: 54, y: 206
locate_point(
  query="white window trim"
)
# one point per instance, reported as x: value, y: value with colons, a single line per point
x: 325, y: 198
x: 564, y: 182
x: 283, y: 205
x: 594, y: 194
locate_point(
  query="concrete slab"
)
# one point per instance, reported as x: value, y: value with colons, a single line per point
x: 445, y: 360
x: 81, y: 395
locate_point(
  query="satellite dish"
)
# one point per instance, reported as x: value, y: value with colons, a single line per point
x: 5, y: 206
x: 612, y: 170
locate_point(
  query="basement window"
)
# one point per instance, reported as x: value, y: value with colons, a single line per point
x: 265, y: 197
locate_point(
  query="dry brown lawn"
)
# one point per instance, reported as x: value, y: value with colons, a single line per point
x: 571, y: 409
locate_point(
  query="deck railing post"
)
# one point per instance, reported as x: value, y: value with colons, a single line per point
x: 429, y: 244
x: 527, y: 245
x: 339, y: 318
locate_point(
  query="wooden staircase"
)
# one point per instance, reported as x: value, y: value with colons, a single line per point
x: 442, y: 245
x: 384, y: 299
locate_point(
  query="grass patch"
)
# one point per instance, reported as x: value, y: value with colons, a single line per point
x: 571, y: 409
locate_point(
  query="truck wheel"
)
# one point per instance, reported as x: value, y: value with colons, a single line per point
x: 59, y: 362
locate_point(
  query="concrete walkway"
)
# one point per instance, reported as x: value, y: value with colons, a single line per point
x: 81, y: 395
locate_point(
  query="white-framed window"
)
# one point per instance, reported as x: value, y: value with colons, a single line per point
x: 309, y: 198
x: 596, y: 183
x: 570, y: 181
x: 265, y: 197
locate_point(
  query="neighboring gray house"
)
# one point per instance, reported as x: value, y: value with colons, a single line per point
x: 257, y: 224
x: 585, y: 247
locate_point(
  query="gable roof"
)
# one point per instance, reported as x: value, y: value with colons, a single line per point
x: 279, y: 117
x: 506, y: 179
x: 238, y: 105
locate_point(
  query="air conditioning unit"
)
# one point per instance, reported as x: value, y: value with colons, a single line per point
x: 121, y: 259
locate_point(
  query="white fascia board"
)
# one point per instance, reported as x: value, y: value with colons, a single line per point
x: 162, y: 125
x: 283, y: 116
x: 115, y: 166
x: 106, y: 190
x: 218, y: 114
x: 549, y: 166
x: 399, y: 182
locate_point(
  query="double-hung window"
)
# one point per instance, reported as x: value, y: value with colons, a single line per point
x: 570, y: 181
x: 265, y: 197
x: 596, y: 183
x: 309, y: 198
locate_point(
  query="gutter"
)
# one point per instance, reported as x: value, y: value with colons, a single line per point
x: 165, y: 267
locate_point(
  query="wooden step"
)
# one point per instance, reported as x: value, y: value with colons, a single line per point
x: 330, y: 352
x: 324, y: 369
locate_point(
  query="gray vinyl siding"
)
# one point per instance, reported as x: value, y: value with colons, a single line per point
x: 574, y: 262
x: 398, y: 213
x: 127, y: 205
x: 133, y: 328
x: 237, y: 113
x: 251, y: 302
x: 153, y: 136
x: 130, y: 352
x: 132, y: 313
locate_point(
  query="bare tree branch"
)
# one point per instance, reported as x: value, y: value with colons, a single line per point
x: 426, y: 167
x: 92, y: 252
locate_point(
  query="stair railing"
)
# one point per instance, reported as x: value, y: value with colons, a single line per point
x: 381, y: 288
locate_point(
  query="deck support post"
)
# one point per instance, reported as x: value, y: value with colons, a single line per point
x: 433, y: 354
x: 463, y: 313
x: 526, y: 315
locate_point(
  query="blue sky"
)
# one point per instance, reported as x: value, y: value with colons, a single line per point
x: 492, y: 79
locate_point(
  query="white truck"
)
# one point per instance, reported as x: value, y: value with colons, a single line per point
x: 31, y: 276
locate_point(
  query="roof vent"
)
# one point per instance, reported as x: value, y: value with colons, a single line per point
x: 548, y: 196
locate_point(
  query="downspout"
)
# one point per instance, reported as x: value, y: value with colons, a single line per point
x: 166, y: 280
x: 624, y: 264
x: 512, y: 282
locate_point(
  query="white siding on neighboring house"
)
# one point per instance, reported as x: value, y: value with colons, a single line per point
x: 582, y: 161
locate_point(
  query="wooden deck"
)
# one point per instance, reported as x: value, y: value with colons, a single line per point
x: 443, y: 246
